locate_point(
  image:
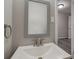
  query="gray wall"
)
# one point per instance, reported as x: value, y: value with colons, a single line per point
x: 69, y: 27
x: 62, y: 25
x: 7, y: 20
x: 18, y: 25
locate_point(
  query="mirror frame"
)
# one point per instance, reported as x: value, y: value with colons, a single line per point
x: 26, y: 35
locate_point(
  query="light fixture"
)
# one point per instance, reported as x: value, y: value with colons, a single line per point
x: 60, y: 5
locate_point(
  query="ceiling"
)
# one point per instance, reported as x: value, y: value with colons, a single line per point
x: 67, y: 7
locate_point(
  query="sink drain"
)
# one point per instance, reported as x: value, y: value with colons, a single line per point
x: 40, y: 58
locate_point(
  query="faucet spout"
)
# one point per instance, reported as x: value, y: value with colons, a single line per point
x: 38, y: 42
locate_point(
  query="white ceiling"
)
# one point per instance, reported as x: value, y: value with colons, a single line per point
x: 67, y: 7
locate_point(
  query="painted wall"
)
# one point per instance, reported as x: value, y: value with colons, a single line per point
x: 18, y: 25
x: 62, y: 25
x: 7, y: 20
x: 69, y: 27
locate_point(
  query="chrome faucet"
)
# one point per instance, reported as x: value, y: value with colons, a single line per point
x: 38, y: 42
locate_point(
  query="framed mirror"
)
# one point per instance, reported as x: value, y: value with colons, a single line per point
x: 37, y: 18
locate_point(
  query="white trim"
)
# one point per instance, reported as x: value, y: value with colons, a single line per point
x: 56, y: 23
x: 72, y: 28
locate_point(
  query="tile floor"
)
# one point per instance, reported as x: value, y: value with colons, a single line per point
x: 65, y: 44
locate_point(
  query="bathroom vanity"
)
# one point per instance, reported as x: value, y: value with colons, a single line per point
x: 47, y: 51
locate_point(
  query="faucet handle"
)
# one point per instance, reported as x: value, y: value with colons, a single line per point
x: 41, y: 41
x: 34, y: 42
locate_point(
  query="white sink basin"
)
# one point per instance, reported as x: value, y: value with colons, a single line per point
x: 47, y: 51
x: 37, y: 51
